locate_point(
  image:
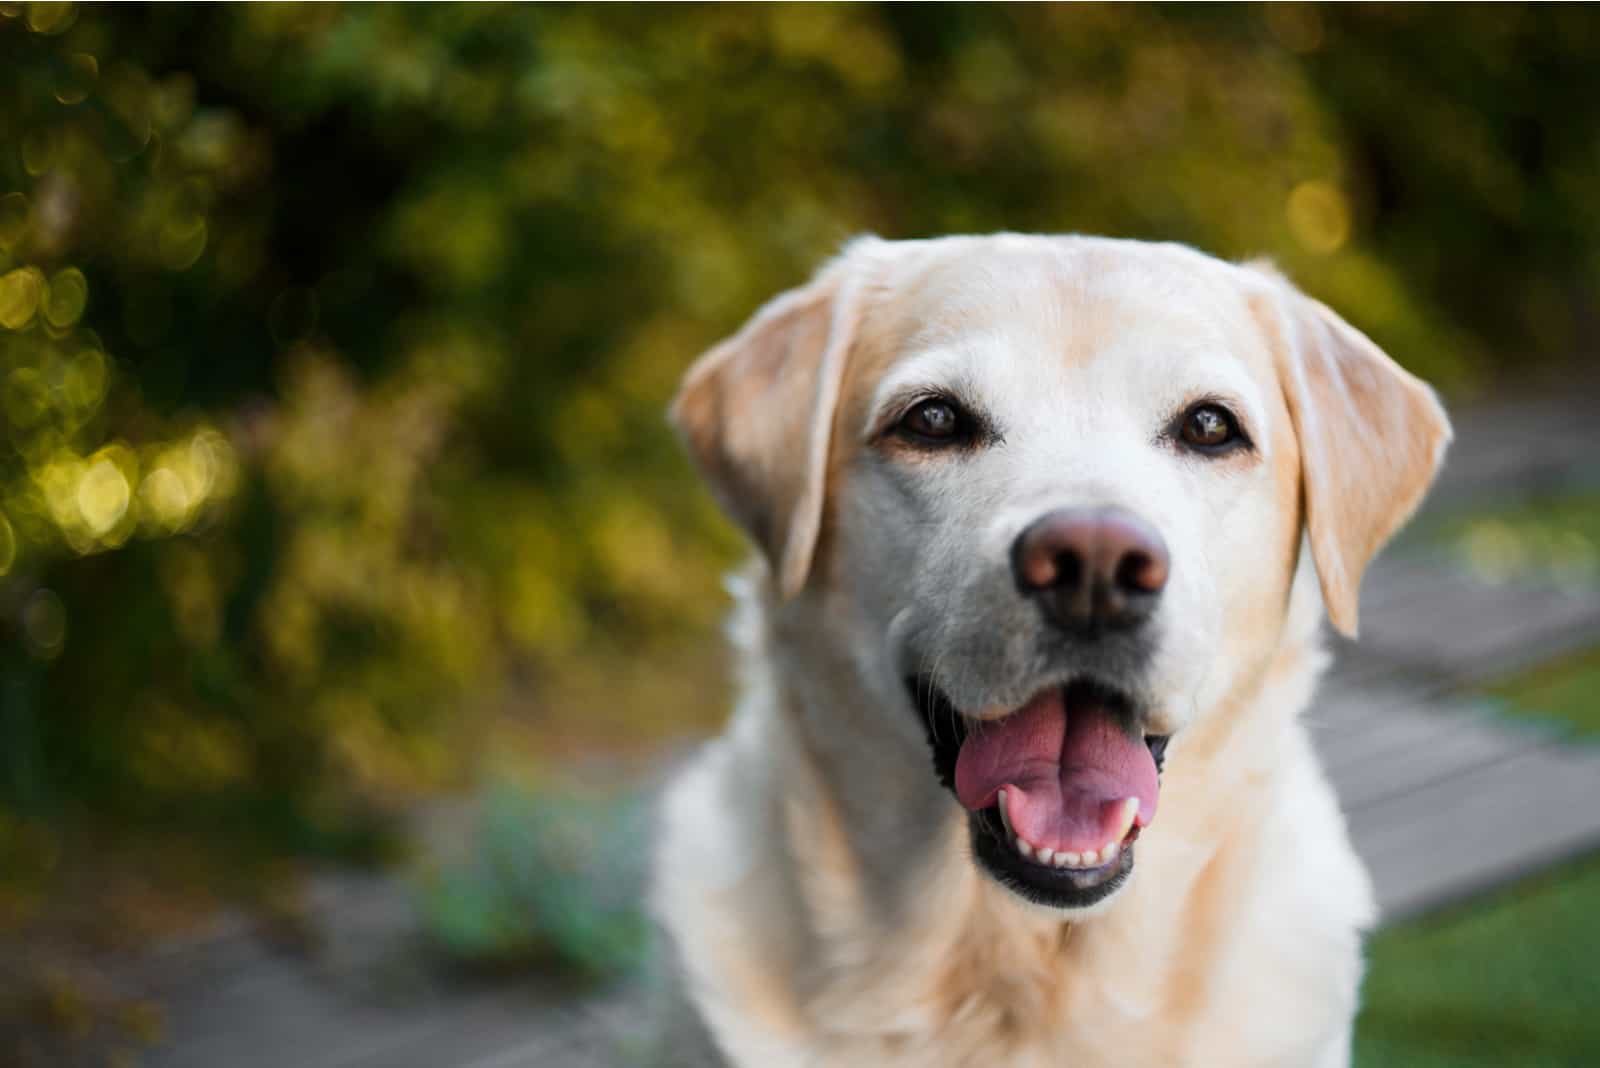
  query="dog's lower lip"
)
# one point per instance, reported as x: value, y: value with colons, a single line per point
x: 1062, y: 888
x: 1061, y: 858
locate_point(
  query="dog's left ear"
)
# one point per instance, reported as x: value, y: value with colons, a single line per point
x: 1372, y: 437
x: 757, y: 413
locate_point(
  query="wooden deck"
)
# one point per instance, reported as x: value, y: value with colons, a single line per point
x: 1444, y: 800
x: 1444, y: 797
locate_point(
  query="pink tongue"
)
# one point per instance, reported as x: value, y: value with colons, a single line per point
x: 1066, y: 772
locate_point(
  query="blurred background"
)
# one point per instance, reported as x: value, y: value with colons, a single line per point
x: 345, y: 553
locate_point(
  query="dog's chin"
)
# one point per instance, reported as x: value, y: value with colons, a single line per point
x: 994, y: 847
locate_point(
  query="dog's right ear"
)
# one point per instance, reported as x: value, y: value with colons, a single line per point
x: 757, y: 412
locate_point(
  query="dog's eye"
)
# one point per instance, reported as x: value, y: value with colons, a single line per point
x: 1209, y: 428
x: 934, y: 420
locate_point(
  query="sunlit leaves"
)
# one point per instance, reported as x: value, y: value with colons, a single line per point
x: 65, y: 299
x: 20, y: 294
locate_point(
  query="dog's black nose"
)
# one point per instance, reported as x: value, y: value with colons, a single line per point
x: 1091, y: 569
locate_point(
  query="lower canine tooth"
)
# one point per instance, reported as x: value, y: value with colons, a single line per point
x: 1130, y: 812
x: 1044, y: 855
x: 1108, y: 853
x: 1025, y: 849
x: 1004, y: 818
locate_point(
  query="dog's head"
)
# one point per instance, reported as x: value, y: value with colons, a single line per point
x: 1061, y: 484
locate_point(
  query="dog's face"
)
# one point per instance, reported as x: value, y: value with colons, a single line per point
x: 1062, y: 484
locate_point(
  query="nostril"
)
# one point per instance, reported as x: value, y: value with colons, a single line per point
x: 1069, y: 570
x: 1140, y: 572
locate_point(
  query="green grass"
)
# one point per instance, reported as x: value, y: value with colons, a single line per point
x: 1513, y: 979
x: 1565, y: 690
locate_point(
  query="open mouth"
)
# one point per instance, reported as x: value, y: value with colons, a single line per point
x: 1057, y: 790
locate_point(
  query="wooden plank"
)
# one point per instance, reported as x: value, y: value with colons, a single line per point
x: 1435, y: 746
x: 1395, y: 582
x: 1433, y: 621
x: 304, y: 1022
x: 1395, y: 731
x: 1366, y: 667
x: 1347, y: 711
x: 501, y: 1034
x: 1500, y: 450
x: 1475, y: 632
x: 1466, y: 833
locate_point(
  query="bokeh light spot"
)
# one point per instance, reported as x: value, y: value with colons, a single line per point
x: 66, y: 298
x: 26, y: 397
x: 76, y: 78
x: 84, y: 382
x: 166, y: 498
x: 58, y: 480
x: 40, y: 149
x: 103, y: 494
x: 48, y: 17
x: 1319, y: 216
x: 181, y: 243
x: 184, y: 477
x: 44, y: 624
x: 21, y: 291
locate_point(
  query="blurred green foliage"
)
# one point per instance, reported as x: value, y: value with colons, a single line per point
x: 334, y: 341
x: 553, y: 877
x: 1555, y: 536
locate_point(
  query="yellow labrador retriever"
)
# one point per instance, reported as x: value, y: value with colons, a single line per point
x: 1047, y: 527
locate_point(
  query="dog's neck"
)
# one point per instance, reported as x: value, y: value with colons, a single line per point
x: 877, y: 854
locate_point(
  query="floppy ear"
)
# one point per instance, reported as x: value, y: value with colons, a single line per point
x: 757, y: 411
x: 1371, y: 438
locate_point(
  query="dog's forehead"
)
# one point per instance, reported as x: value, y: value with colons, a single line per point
x: 1073, y: 303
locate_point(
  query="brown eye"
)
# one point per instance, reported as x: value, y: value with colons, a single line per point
x: 933, y: 420
x: 1209, y: 427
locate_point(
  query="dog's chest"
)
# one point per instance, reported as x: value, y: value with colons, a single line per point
x: 1002, y: 998
x: 989, y: 1034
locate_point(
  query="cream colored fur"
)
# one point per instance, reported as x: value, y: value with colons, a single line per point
x: 814, y: 880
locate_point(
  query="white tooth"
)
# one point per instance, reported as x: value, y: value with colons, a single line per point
x: 1090, y: 858
x: 1108, y: 854
x: 1061, y: 859
x: 1005, y: 819
x: 1071, y: 858
x: 1024, y: 848
x: 1130, y: 812
x: 1044, y: 855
